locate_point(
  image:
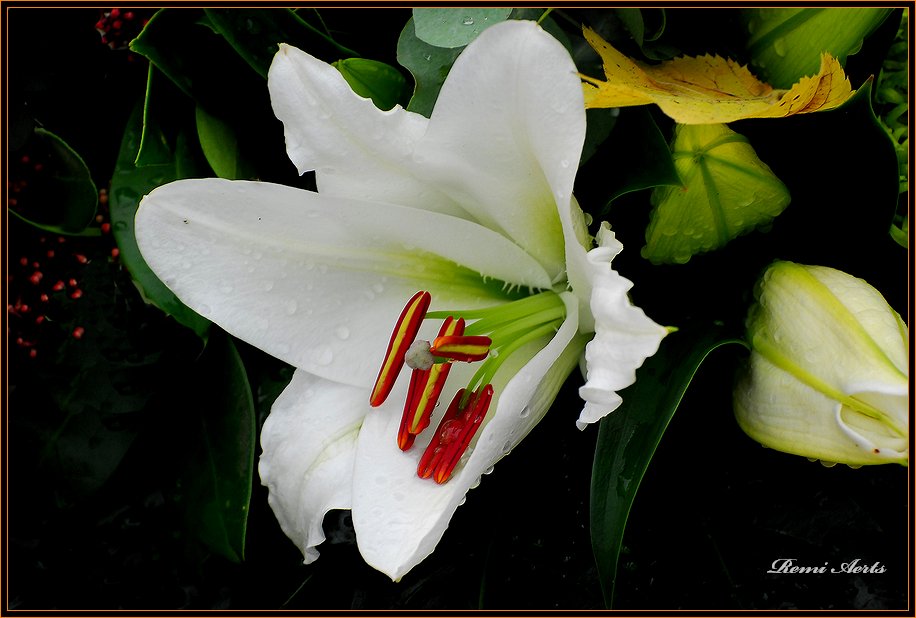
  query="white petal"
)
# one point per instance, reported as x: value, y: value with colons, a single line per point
x: 506, y: 134
x: 317, y: 282
x: 309, y: 445
x: 356, y: 149
x: 624, y: 336
x: 779, y: 411
x: 399, y: 518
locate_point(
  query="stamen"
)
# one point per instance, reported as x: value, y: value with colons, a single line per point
x: 464, y: 348
x: 457, y: 428
x: 405, y: 331
x: 425, y: 388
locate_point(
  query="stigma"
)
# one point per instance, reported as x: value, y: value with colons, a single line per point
x: 485, y: 336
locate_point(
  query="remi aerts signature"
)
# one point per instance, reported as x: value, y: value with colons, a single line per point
x: 790, y: 566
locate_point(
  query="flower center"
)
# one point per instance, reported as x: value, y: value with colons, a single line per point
x: 489, y: 336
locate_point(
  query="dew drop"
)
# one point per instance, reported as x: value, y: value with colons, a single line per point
x: 291, y: 307
x: 463, y: 500
x: 779, y: 46
x: 526, y: 411
x: 204, y: 310
x: 488, y: 470
x: 342, y: 333
x: 427, y: 57
x: 268, y: 285
x: 468, y: 21
x: 564, y: 163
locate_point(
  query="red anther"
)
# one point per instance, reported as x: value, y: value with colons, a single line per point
x: 36, y: 265
x: 33, y: 353
x: 35, y: 278
x: 61, y: 240
x: 129, y: 15
x: 25, y: 159
x: 12, y: 201
x: 115, y: 252
x: 106, y: 227
x: 24, y: 261
x: 116, y: 24
x: 23, y: 308
x: 72, y: 283
x: 40, y: 319
x: 78, y: 332
x: 50, y: 253
x: 77, y: 293
x: 405, y: 438
x: 20, y: 341
x: 38, y: 167
x: 114, y: 13
x: 454, y: 434
x: 99, y: 218
x: 58, y: 286
x: 462, y: 348
x: 82, y: 259
x: 44, y: 298
x: 420, y: 403
x: 405, y: 331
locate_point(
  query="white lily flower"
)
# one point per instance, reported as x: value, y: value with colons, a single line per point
x: 828, y: 376
x: 473, y: 205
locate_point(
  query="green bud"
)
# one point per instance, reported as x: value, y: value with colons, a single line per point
x: 828, y: 373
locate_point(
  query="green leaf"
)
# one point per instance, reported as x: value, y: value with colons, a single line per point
x: 375, y: 80
x: 628, y: 438
x: 216, y: 485
x: 785, y: 44
x: 256, y: 33
x: 58, y: 195
x: 199, y: 61
x: 158, y: 106
x: 220, y: 145
x: 128, y: 185
x: 727, y: 191
x: 448, y: 27
x: 429, y: 66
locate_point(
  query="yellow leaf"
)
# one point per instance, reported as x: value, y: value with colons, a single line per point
x: 709, y: 89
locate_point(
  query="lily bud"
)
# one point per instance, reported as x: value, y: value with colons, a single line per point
x: 828, y: 372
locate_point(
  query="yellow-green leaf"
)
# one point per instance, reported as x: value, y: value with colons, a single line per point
x: 709, y: 89
x: 727, y: 191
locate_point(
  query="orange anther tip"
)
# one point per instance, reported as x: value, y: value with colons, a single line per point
x: 405, y: 331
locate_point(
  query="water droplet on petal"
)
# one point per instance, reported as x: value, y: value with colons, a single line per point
x: 343, y: 333
x: 291, y: 307
x: 526, y: 411
x: 268, y: 285
x: 468, y: 21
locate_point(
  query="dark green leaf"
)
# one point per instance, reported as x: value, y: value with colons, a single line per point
x: 199, y: 61
x: 785, y: 44
x: 628, y: 437
x: 429, y: 66
x: 128, y: 185
x: 158, y: 107
x: 634, y: 156
x: 450, y: 27
x: 216, y: 485
x: 375, y: 80
x: 58, y: 194
x: 256, y: 33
